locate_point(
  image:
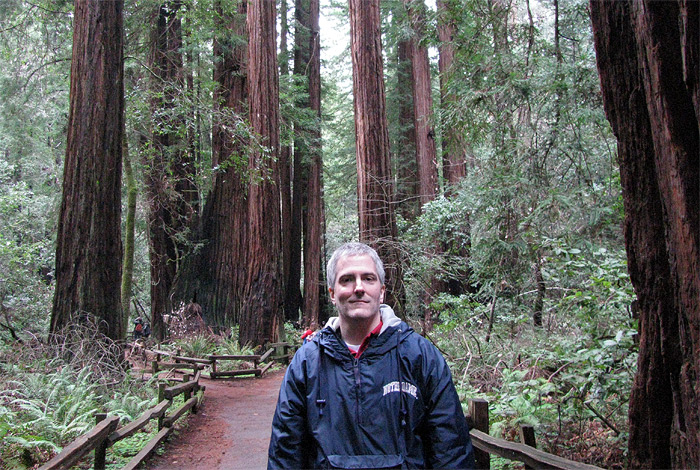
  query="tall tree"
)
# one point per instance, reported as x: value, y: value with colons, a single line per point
x: 426, y: 154
x: 375, y: 192
x: 263, y: 296
x: 454, y: 166
x: 88, y: 252
x: 129, y: 234
x: 648, y: 61
x: 214, y: 275
x: 171, y: 191
x: 308, y: 61
x: 291, y: 243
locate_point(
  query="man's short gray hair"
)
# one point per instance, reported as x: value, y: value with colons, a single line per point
x: 352, y: 249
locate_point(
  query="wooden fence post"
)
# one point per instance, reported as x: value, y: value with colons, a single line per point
x: 101, y: 449
x: 154, y: 367
x: 479, y: 413
x: 527, y: 437
x: 188, y: 393
x: 161, y: 397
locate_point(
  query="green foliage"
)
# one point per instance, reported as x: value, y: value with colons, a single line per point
x: 196, y: 346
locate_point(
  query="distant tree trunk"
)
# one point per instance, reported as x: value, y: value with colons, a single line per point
x: 172, y: 194
x: 454, y: 163
x: 426, y: 155
x: 129, y: 229
x: 375, y: 190
x: 291, y: 228
x: 214, y: 276
x: 454, y: 148
x: 302, y: 54
x: 648, y: 62
x: 313, y: 216
x: 89, y: 246
x: 407, y: 201
x: 263, y: 297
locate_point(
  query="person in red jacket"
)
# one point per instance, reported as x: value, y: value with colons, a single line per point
x: 367, y: 391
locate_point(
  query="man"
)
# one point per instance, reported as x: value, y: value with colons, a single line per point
x: 367, y: 391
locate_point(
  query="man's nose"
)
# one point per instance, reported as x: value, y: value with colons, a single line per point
x: 359, y: 288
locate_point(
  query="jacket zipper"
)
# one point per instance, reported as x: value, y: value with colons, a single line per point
x: 358, y: 384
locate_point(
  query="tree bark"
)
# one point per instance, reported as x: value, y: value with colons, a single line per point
x: 172, y: 194
x: 89, y: 247
x: 214, y: 276
x: 647, y: 59
x: 407, y: 201
x: 454, y: 162
x: 129, y: 229
x: 313, y: 168
x: 291, y: 226
x: 375, y: 190
x: 263, y: 296
x: 426, y: 155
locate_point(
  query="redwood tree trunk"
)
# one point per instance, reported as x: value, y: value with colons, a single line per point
x: 171, y: 192
x: 214, y: 276
x: 426, y: 156
x: 89, y: 247
x: 263, y: 299
x: 313, y: 214
x: 454, y: 166
x: 291, y: 242
x: 407, y: 201
x: 375, y: 192
x: 648, y: 63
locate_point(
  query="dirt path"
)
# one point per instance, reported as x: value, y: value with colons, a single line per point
x: 230, y: 431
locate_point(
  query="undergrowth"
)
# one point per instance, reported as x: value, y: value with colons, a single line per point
x: 570, y: 379
x: 50, y: 392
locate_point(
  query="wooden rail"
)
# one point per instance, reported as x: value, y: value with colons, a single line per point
x: 256, y: 359
x: 526, y: 452
x: 105, y: 433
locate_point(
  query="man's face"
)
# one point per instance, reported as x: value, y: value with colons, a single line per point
x: 357, y: 291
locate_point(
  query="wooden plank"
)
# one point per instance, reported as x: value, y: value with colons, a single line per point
x: 140, y: 423
x: 193, y: 360
x: 148, y: 449
x: 267, y: 354
x: 233, y: 357
x: 177, y: 414
x: 264, y: 369
x: 178, y: 365
x: 82, y: 445
x: 236, y: 373
x: 523, y: 453
x: 175, y: 390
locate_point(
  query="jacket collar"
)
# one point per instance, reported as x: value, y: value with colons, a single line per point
x: 391, y: 324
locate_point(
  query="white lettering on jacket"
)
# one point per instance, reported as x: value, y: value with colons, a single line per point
x: 405, y: 388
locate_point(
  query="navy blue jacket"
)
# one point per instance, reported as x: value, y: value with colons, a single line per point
x: 394, y: 407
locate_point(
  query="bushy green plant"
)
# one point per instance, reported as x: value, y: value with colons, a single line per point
x: 50, y: 393
x: 196, y: 346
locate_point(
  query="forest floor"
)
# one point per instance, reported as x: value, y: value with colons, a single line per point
x: 230, y: 431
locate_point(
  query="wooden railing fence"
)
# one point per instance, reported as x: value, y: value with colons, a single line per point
x: 107, y: 430
x: 526, y: 452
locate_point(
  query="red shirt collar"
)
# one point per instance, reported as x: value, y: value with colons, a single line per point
x: 365, y: 342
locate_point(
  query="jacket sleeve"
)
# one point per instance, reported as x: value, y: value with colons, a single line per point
x: 447, y: 440
x: 287, y: 449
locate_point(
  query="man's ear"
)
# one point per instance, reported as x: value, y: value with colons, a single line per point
x: 381, y: 296
x: 332, y: 294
